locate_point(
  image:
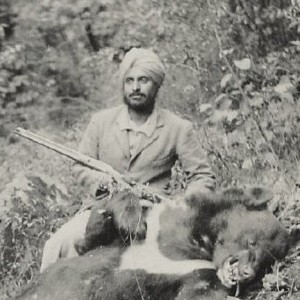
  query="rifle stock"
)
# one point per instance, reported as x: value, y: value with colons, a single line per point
x: 88, y: 162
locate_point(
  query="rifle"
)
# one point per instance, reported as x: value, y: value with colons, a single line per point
x: 94, y: 164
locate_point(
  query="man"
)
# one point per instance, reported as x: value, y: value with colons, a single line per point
x: 137, y: 139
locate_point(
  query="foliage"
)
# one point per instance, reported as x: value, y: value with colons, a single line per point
x: 16, y: 88
x: 232, y: 68
x: 37, y: 206
x: 6, y: 21
x: 256, y: 95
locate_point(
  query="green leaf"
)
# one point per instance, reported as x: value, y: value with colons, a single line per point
x: 285, y: 89
x: 284, y: 85
x: 231, y: 115
x: 257, y: 101
x: 228, y: 51
x: 245, y: 108
x: 2, y: 33
x: 244, y: 64
x: 236, y: 137
x: 287, y: 97
x: 295, y: 43
x: 205, y: 108
x: 225, y: 80
x: 2, y: 112
x: 247, y: 164
x: 223, y: 102
x: 3, y: 90
x: 12, y: 88
x: 220, y: 116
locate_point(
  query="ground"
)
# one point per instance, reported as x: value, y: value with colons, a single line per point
x: 242, y: 96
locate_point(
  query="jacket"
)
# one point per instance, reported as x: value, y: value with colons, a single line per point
x: 173, y: 139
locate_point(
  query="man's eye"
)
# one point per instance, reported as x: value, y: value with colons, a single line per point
x: 144, y: 79
x: 128, y: 80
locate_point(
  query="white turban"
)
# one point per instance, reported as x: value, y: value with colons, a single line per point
x: 146, y: 60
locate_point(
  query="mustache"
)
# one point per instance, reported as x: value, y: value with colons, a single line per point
x: 137, y: 94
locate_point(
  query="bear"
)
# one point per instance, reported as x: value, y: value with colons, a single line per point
x: 201, y: 247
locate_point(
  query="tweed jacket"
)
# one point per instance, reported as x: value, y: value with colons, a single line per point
x: 173, y: 139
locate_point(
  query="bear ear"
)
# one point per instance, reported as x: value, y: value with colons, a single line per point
x: 258, y: 197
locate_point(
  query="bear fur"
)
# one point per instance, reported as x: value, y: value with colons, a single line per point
x: 231, y: 228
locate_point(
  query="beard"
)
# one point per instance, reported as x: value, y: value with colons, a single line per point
x: 142, y: 104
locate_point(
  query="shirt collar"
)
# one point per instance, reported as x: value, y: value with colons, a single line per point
x: 148, y: 128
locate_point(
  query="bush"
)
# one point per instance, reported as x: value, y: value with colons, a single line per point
x: 232, y: 68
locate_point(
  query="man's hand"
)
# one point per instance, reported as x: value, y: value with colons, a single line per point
x: 94, y: 180
x: 129, y: 180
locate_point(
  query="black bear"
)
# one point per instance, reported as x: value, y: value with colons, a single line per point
x: 197, y: 248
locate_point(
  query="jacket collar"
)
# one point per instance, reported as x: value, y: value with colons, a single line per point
x: 122, y: 120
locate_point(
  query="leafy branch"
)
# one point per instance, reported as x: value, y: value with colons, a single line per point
x: 238, y: 81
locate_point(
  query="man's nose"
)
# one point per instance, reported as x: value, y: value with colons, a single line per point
x: 136, y: 86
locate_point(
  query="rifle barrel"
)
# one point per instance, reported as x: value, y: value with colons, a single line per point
x: 85, y: 160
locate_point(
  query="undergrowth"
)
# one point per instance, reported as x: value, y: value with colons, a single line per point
x: 232, y: 69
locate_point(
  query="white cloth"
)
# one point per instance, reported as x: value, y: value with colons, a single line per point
x: 146, y: 60
x: 135, y: 132
x: 62, y: 243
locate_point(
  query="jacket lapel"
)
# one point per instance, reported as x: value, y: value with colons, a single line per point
x: 147, y: 141
x: 119, y: 131
x: 121, y: 137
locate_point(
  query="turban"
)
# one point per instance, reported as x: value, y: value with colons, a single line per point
x: 146, y: 60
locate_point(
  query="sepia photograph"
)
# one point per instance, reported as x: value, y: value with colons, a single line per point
x: 149, y: 149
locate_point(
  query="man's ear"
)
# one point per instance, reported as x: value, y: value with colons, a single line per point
x: 253, y: 197
x: 258, y: 197
x: 155, y: 90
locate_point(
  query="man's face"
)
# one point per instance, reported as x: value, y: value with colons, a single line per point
x: 139, y: 90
